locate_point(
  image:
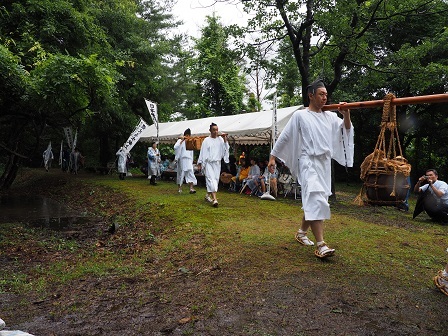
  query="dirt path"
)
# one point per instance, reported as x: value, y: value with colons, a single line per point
x: 247, y: 297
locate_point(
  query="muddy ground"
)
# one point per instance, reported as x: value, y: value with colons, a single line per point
x: 218, y: 300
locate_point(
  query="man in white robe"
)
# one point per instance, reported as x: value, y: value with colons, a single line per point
x: 122, y: 157
x: 214, y: 148
x: 184, y: 160
x: 48, y: 157
x: 306, y: 145
x: 153, y: 163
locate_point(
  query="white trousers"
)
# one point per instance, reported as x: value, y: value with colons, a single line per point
x: 212, y: 171
x: 315, y: 175
x: 185, y: 171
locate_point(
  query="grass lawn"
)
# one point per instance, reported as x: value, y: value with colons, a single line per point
x: 212, y: 256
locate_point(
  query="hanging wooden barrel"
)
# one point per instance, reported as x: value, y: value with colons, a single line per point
x: 386, y: 187
x: 194, y: 143
x: 385, y: 172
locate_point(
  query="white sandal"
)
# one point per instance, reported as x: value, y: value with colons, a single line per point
x: 303, y: 239
x: 323, y: 251
x: 441, y: 283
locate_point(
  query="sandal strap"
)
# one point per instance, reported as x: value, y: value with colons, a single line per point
x: 324, y: 251
x: 440, y: 274
x: 303, y: 239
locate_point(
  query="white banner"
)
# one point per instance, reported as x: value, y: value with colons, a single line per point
x: 152, y: 108
x: 60, y: 153
x: 75, y: 141
x: 135, y: 135
x: 69, y: 136
x: 274, y: 123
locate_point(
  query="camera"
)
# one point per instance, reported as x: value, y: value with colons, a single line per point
x: 425, y: 180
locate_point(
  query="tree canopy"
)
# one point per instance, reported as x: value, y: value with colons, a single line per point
x: 85, y: 64
x: 216, y: 74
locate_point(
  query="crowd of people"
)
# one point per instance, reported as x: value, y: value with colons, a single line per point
x: 70, y: 161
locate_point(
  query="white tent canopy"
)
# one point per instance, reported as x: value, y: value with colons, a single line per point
x: 246, y: 129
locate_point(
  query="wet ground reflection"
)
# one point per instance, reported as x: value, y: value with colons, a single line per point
x: 35, y: 210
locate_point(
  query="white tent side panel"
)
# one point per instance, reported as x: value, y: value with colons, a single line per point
x: 248, y: 128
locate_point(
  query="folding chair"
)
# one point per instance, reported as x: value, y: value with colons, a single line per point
x: 243, y: 185
x: 293, y: 185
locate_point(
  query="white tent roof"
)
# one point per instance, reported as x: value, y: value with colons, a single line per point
x: 248, y: 128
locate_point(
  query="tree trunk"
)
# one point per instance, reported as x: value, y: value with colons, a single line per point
x: 105, y: 155
x: 10, y: 172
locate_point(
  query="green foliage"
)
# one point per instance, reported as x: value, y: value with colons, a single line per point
x: 287, y: 77
x: 13, y: 81
x: 364, y: 50
x: 67, y: 85
x: 219, y: 86
x: 86, y: 64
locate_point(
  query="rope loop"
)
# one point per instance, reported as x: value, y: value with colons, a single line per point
x: 386, y: 161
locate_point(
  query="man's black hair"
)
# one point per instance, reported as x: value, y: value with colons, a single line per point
x: 212, y: 124
x: 318, y: 83
x: 312, y: 89
x: 187, y: 132
x: 432, y: 170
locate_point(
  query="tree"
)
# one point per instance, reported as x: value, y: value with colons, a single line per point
x: 287, y: 78
x: 219, y: 86
x: 258, y: 73
x: 86, y: 64
x: 60, y: 88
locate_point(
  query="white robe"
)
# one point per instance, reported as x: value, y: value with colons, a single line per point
x: 213, y: 150
x: 153, y: 162
x: 122, y: 158
x: 184, y: 160
x: 306, y: 145
x: 48, y: 157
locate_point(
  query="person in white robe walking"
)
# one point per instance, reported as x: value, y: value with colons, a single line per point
x: 214, y: 148
x: 184, y: 160
x: 307, y: 144
x: 122, y: 157
x: 153, y: 163
x: 48, y: 157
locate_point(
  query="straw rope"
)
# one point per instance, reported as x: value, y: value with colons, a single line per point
x: 386, y: 160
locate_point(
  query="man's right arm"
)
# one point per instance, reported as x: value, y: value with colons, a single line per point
x: 419, y: 184
x: 272, y: 164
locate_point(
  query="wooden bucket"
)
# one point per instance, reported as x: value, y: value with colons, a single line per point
x: 194, y: 143
x: 386, y: 187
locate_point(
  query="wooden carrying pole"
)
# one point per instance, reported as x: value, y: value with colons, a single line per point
x: 436, y: 98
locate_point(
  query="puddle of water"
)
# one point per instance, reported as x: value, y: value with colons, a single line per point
x: 35, y: 210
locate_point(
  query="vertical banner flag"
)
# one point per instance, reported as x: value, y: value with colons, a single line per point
x: 61, y: 152
x: 47, y: 155
x: 152, y: 107
x: 274, y: 123
x: 135, y: 135
x: 75, y: 140
x: 69, y: 136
